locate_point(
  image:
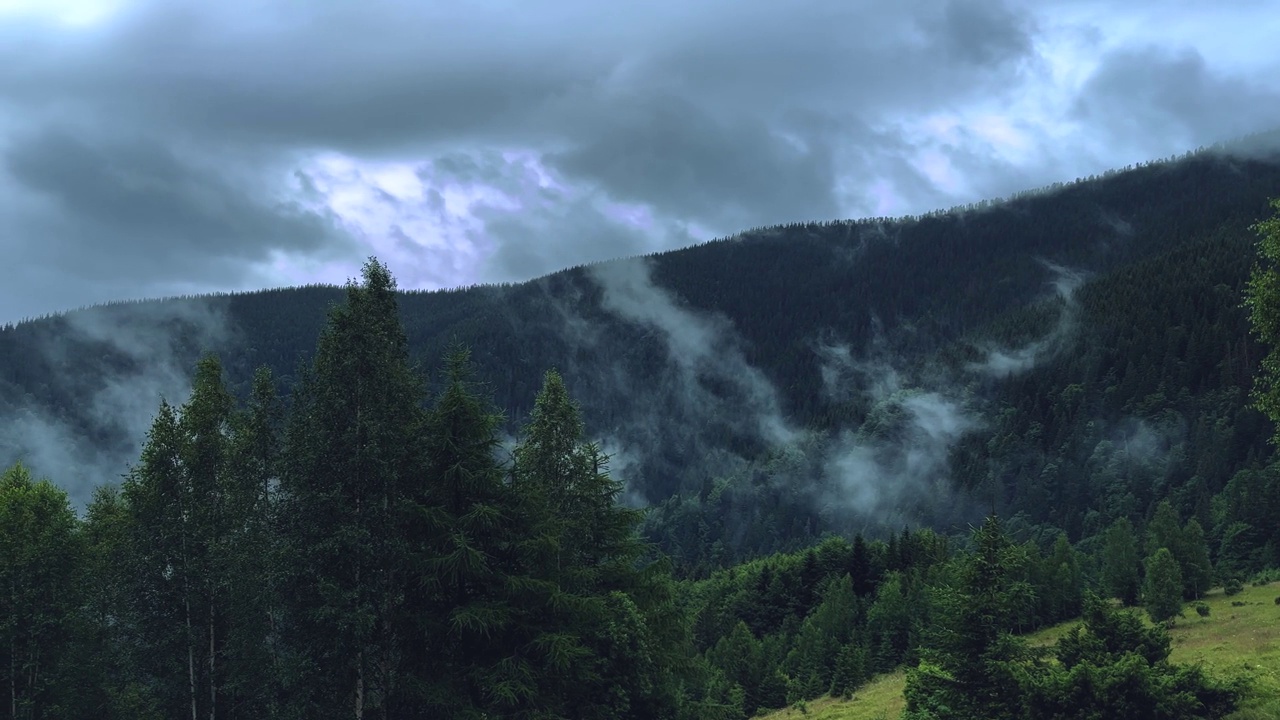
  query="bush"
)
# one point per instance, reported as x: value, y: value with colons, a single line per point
x: 1202, y: 609
x: 1265, y: 577
x: 1278, y: 599
x: 1232, y: 586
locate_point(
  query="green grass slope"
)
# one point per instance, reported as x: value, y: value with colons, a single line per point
x: 1241, y: 637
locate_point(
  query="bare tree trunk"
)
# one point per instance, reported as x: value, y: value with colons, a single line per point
x: 360, y: 685
x: 213, y: 686
x: 191, y: 660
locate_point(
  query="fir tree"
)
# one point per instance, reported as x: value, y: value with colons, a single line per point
x: 1121, y: 562
x: 350, y: 455
x: 1162, y: 590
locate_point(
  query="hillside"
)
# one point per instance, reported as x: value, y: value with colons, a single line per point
x: 1063, y: 356
x: 1237, y: 640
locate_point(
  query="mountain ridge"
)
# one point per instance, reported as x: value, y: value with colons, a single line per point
x: 693, y: 363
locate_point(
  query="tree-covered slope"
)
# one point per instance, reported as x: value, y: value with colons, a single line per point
x: 1070, y: 354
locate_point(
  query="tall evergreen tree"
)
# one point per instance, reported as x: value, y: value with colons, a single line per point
x: 164, y: 585
x: 474, y: 600
x: 204, y: 426
x: 1162, y: 589
x: 1197, y: 570
x: 252, y: 656
x: 968, y: 671
x: 1121, y: 562
x: 350, y: 454
x: 40, y: 554
x: 117, y: 690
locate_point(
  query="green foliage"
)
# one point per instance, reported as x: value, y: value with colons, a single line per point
x: 968, y: 669
x: 1232, y: 586
x: 1162, y: 590
x: 350, y: 458
x: 1113, y: 665
x: 1263, y: 301
x: 1121, y: 562
x: 40, y: 552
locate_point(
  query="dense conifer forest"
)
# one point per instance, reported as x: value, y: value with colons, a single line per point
x: 701, y: 485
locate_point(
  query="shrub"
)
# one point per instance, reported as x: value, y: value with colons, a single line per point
x: 1265, y: 577
x: 1232, y: 586
x: 1202, y: 609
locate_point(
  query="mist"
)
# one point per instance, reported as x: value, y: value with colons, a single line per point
x: 1005, y: 361
x: 116, y: 363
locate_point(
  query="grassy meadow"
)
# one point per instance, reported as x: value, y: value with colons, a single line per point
x: 1240, y: 637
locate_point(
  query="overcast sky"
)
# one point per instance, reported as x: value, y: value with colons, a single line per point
x: 153, y: 147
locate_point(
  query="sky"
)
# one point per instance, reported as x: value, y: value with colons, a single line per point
x: 160, y: 147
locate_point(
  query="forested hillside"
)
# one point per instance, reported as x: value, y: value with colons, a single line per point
x: 1065, y: 357
x: 365, y: 550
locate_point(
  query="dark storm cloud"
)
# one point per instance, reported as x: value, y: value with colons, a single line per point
x: 129, y: 212
x: 1145, y: 96
x: 668, y: 153
x: 157, y: 146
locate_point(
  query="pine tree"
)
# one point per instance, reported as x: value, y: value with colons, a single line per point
x: 1165, y: 530
x: 1066, y: 586
x: 1197, y: 573
x: 860, y: 567
x: 252, y: 646
x: 163, y: 582
x: 738, y: 655
x: 616, y: 613
x: 821, y: 637
x: 40, y: 555
x: 968, y: 671
x: 471, y: 553
x: 1162, y: 590
x: 204, y: 424
x: 117, y: 690
x: 350, y: 455
x: 1120, y: 562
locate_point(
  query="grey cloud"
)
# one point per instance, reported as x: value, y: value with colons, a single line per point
x: 667, y: 152
x: 721, y: 113
x: 123, y: 213
x: 984, y: 33
x: 1153, y: 99
x: 533, y: 227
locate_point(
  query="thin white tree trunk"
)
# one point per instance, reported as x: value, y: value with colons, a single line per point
x: 213, y: 686
x: 191, y: 660
x: 360, y: 685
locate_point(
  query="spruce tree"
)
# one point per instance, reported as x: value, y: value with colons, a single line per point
x: 40, y: 555
x: 611, y: 609
x: 252, y: 554
x: 471, y: 553
x: 1120, y: 562
x: 204, y: 426
x: 969, y: 669
x: 1197, y: 571
x: 349, y: 457
x: 1162, y: 590
x: 164, y: 585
